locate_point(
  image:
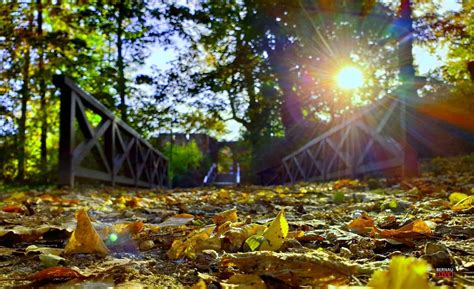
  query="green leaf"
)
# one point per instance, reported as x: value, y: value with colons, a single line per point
x: 338, y: 197
x: 253, y: 242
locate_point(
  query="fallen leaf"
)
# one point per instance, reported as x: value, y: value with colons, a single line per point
x: 178, y: 220
x: 55, y: 274
x: 234, y: 238
x: 414, y: 230
x: 57, y: 200
x: 456, y: 197
x: 18, y: 196
x: 14, y: 209
x: 85, y: 238
x: 126, y: 228
x: 465, y: 204
x: 244, y: 281
x: 226, y: 216
x: 254, y: 242
x: 402, y: 273
x: 193, y: 244
x: 50, y: 260
x: 315, y: 268
x: 295, y: 235
x: 199, y: 285
x: 362, y: 225
x: 275, y: 234
x: 44, y: 250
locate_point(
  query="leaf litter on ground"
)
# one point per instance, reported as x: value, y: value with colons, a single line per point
x: 372, y: 233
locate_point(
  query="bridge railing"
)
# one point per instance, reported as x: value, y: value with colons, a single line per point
x: 211, y: 175
x: 370, y: 141
x: 94, y: 144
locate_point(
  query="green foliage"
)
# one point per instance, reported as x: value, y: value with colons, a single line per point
x: 183, y: 159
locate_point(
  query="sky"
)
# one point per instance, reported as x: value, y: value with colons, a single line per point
x: 424, y: 60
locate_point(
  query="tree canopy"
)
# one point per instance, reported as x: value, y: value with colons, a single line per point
x: 268, y: 65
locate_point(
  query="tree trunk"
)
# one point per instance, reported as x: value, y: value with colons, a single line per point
x: 408, y: 90
x: 291, y: 114
x: 120, y: 62
x: 42, y: 92
x: 25, y: 95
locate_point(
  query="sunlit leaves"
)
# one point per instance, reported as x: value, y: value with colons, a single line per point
x: 85, y: 238
x: 272, y: 238
x: 403, y: 272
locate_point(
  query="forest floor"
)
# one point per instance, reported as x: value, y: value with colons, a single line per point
x: 413, y: 233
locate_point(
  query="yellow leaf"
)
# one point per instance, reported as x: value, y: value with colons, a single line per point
x: 402, y: 273
x: 16, y: 197
x: 44, y: 250
x: 85, y: 238
x: 275, y: 234
x: 244, y: 281
x: 235, y: 237
x: 226, y: 216
x: 199, y: 285
x: 193, y: 244
x: 464, y: 204
x: 456, y: 197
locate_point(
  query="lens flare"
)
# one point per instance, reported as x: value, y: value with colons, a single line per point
x: 113, y: 237
x: 350, y: 77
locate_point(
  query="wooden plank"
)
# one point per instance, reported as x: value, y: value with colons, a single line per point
x: 93, y: 174
x: 66, y: 136
x: 394, y: 150
x: 109, y: 143
x: 85, y: 147
x: 388, y: 164
x: 292, y: 180
x: 300, y: 169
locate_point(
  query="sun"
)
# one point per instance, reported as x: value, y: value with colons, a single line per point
x: 350, y: 77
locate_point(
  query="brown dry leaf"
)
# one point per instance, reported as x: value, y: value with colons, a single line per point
x: 414, y: 230
x: 128, y: 228
x: 316, y: 268
x: 362, y: 225
x: 57, y: 200
x: 85, y: 238
x: 226, y: 216
x: 244, y: 281
x: 295, y: 235
x: 18, y: 209
x: 177, y: 220
x: 55, y: 274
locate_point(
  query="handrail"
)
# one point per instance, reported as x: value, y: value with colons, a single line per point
x: 357, y: 115
x: 237, y: 176
x: 121, y: 155
x: 364, y: 143
x: 211, y: 174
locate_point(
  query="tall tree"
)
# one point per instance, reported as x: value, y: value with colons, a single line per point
x: 25, y: 94
x: 42, y: 88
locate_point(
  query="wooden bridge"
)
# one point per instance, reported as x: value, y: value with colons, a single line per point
x: 362, y: 144
x: 110, y: 151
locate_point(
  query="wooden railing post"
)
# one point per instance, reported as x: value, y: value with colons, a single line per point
x: 109, y: 142
x: 66, y: 132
